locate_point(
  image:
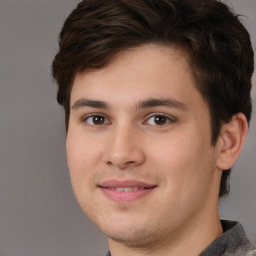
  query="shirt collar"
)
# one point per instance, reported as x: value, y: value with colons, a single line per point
x: 233, y: 241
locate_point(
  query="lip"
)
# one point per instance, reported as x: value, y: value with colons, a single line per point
x: 141, y: 189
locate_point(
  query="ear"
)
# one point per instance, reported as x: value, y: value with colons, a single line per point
x: 231, y: 141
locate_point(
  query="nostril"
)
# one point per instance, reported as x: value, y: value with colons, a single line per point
x: 122, y: 166
x: 129, y: 162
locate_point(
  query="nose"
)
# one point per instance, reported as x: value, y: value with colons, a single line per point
x: 124, y: 148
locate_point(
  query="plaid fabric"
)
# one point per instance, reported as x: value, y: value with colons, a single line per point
x: 233, y: 241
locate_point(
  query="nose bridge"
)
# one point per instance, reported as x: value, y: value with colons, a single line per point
x: 123, y: 149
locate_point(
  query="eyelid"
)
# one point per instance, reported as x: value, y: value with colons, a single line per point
x: 92, y: 114
x: 172, y: 118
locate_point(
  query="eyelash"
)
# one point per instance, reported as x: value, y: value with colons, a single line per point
x: 169, y: 119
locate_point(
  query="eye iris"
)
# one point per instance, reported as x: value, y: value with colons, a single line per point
x: 160, y: 120
x: 98, y: 120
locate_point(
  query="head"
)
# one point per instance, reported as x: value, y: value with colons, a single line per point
x: 216, y: 45
x: 157, y: 100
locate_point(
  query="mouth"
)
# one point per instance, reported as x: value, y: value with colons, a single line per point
x: 125, y: 191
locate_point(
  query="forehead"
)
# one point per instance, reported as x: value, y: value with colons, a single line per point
x: 137, y: 73
x: 147, y: 54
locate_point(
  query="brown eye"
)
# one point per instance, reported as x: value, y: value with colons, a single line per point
x: 160, y: 120
x: 96, y: 120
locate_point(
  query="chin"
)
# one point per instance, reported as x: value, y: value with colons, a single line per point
x: 134, y: 239
x: 132, y: 236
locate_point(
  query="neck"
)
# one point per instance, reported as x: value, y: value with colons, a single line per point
x: 192, y: 240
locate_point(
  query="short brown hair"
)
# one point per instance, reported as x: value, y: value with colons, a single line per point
x: 218, y: 46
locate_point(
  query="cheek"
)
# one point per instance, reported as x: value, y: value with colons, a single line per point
x: 185, y: 163
x: 82, y: 157
x: 82, y: 152
x: 80, y: 160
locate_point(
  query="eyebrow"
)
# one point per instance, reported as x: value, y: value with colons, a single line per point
x: 89, y: 103
x: 166, y: 102
x: 149, y: 103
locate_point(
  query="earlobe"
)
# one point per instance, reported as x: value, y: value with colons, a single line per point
x: 231, y: 141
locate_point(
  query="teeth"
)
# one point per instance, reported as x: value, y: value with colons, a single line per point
x: 128, y: 189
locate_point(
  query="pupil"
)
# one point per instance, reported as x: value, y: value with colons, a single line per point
x: 98, y: 120
x: 160, y: 120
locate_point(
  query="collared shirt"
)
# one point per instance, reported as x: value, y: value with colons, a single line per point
x: 233, y: 242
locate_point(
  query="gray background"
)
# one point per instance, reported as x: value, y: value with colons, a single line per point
x: 38, y: 212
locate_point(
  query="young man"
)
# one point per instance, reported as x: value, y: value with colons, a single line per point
x: 157, y: 101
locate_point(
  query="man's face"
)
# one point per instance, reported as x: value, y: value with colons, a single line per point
x: 139, y: 147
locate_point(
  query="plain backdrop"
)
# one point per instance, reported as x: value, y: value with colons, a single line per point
x: 39, y: 215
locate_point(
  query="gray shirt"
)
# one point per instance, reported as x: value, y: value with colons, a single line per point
x: 233, y: 242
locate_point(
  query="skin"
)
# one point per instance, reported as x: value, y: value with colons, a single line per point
x: 121, y: 138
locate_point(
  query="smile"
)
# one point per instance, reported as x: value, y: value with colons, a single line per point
x: 125, y: 191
